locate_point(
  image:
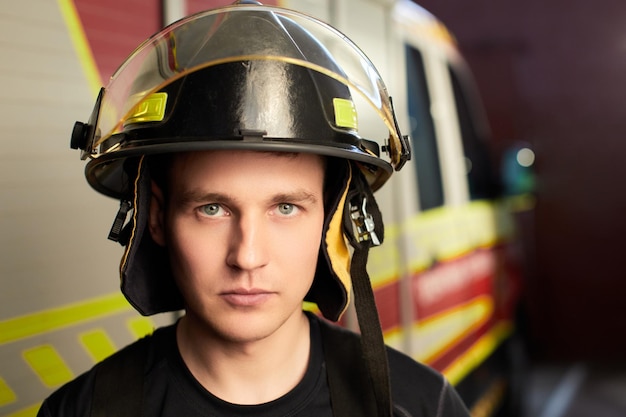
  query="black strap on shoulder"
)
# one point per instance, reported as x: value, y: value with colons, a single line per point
x: 372, y: 343
x: 364, y: 227
x: 348, y: 380
x: 118, y: 387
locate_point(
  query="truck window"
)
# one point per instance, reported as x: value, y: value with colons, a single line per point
x: 423, y: 139
x: 479, y: 165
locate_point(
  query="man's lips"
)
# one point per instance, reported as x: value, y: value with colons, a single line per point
x: 242, y: 297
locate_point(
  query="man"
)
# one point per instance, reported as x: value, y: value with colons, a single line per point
x: 232, y: 137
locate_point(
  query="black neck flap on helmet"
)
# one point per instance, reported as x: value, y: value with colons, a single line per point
x: 251, y: 77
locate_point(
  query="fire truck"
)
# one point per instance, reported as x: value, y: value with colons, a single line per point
x: 447, y: 279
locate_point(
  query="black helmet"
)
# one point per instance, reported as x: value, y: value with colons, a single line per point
x: 250, y: 77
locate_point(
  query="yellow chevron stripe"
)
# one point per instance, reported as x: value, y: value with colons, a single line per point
x: 441, y: 332
x: 48, y: 365
x: 475, y: 355
x: 7, y: 396
x: 30, y: 411
x: 61, y: 317
x: 140, y: 326
x: 98, y: 344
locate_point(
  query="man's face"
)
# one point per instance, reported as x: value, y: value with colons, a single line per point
x: 243, y: 230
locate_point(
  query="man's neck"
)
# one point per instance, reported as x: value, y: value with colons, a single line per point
x: 252, y: 372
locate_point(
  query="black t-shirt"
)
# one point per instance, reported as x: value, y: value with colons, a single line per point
x: 170, y: 390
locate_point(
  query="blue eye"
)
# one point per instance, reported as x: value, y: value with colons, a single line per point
x: 286, y: 208
x: 211, y: 209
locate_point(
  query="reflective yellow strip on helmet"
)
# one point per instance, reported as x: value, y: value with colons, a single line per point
x: 345, y: 113
x: 150, y: 109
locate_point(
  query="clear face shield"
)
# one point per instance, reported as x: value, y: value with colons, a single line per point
x: 133, y: 95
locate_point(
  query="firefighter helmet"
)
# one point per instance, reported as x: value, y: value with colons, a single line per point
x: 245, y: 76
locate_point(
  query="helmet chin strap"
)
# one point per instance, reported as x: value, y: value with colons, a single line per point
x: 364, y: 227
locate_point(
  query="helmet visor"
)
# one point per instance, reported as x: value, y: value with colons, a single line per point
x: 199, y: 41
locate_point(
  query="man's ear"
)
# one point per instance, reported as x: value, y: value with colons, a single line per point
x: 156, y: 219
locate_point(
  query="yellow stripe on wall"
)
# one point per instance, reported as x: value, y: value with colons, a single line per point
x: 140, y: 326
x: 26, y: 412
x: 98, y: 344
x: 60, y: 317
x: 7, y: 396
x: 49, y: 366
x: 81, y: 45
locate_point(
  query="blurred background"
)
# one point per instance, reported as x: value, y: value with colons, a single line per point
x: 551, y: 76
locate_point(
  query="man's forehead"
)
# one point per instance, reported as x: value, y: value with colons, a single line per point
x: 242, y: 163
x: 183, y: 157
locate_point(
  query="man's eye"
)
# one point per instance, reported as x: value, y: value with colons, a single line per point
x: 212, y: 209
x: 286, y: 208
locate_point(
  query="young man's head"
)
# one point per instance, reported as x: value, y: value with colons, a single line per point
x: 243, y: 231
x: 203, y: 88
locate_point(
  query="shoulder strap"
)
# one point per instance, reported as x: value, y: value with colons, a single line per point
x: 349, y: 384
x: 118, y: 386
x: 363, y: 225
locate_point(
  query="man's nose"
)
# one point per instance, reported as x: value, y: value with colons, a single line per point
x: 249, y: 244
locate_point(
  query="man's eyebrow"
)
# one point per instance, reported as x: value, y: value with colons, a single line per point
x: 295, y: 196
x: 199, y: 196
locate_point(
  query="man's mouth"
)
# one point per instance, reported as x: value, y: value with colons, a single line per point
x: 242, y: 297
